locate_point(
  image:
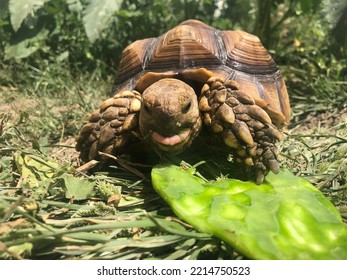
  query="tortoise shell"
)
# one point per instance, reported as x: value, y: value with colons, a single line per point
x: 195, y: 51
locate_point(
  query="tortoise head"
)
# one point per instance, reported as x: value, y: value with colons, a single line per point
x: 169, y: 115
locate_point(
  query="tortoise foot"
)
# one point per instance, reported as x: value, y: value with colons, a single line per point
x: 110, y: 127
x: 241, y: 125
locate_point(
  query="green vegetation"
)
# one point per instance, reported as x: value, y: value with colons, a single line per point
x: 58, y: 60
x: 283, y: 218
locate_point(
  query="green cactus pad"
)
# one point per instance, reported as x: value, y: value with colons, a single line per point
x: 283, y: 218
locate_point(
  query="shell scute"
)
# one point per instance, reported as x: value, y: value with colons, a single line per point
x: 184, y: 47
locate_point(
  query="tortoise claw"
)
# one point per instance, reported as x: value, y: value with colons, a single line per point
x: 263, y: 167
x: 273, y: 132
x: 203, y: 104
x: 230, y: 140
x: 259, y: 171
x: 260, y: 176
x: 274, y: 166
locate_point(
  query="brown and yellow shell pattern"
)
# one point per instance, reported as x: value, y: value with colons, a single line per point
x: 231, y: 55
x: 240, y: 96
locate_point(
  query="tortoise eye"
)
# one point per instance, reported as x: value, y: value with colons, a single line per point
x: 186, y: 107
x: 146, y: 107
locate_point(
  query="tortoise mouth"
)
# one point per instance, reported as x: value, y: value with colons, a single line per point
x: 172, y: 140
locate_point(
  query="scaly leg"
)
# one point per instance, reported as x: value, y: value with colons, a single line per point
x: 111, y: 126
x: 241, y: 125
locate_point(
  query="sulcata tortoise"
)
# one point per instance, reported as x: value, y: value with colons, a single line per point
x: 194, y: 77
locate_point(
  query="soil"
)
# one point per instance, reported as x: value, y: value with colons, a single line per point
x: 323, y: 119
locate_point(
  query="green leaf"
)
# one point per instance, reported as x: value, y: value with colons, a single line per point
x: 22, y: 250
x: 78, y: 188
x: 25, y: 47
x: 6, y: 175
x: 20, y: 9
x: 36, y: 174
x: 97, y: 16
x: 333, y: 10
x: 4, y: 6
x: 308, y: 6
x: 33, y: 168
x: 305, y: 5
x: 74, y: 5
x: 283, y: 218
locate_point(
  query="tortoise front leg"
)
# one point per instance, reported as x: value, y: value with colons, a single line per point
x: 241, y: 125
x: 111, y: 126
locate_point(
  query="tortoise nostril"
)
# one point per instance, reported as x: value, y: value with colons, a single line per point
x: 186, y: 107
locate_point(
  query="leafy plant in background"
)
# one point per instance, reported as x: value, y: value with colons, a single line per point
x: 306, y: 37
x: 34, y: 21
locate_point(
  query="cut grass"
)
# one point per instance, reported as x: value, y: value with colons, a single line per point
x: 123, y: 218
x: 316, y: 149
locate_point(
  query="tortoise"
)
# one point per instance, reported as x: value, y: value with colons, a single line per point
x: 192, y: 78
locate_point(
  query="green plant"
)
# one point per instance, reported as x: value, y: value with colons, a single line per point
x: 283, y: 218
